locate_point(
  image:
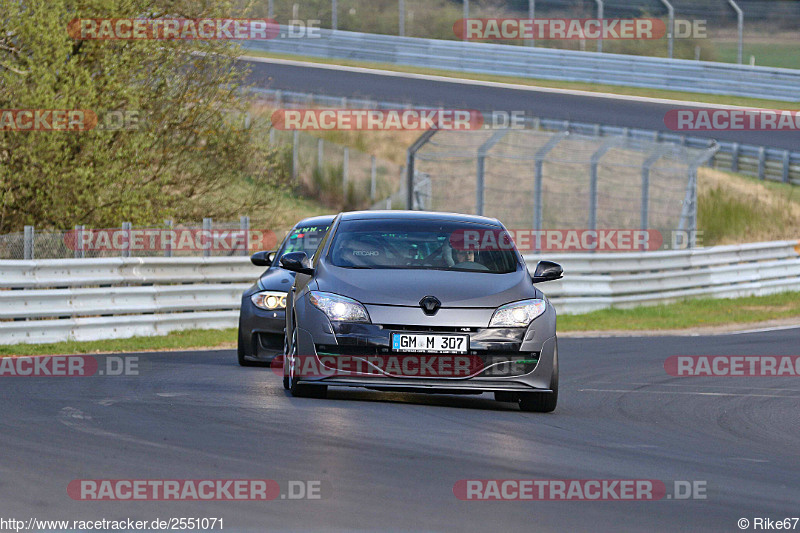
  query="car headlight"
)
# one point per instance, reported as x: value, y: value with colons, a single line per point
x: 517, y: 314
x: 338, y: 308
x: 269, y: 300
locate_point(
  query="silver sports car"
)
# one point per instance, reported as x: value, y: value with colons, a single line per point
x: 421, y: 302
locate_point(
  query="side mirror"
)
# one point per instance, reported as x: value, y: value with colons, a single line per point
x: 262, y: 259
x: 547, y: 271
x: 297, y: 262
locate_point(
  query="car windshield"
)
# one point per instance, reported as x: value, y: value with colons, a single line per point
x: 421, y: 244
x: 302, y: 239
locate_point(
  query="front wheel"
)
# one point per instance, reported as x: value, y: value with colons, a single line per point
x: 290, y: 379
x: 542, y: 402
x: 240, y: 351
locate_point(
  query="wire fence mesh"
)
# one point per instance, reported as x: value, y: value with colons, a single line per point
x: 543, y: 180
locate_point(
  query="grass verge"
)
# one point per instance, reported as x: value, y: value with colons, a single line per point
x: 179, y: 340
x: 577, y: 86
x: 690, y: 313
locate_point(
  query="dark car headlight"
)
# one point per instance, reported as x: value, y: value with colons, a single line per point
x: 517, y: 314
x: 338, y: 308
x: 269, y: 300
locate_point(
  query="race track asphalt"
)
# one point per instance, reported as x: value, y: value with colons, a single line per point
x: 388, y: 462
x: 454, y: 95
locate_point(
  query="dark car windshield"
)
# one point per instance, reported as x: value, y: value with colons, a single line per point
x: 302, y: 239
x: 421, y: 244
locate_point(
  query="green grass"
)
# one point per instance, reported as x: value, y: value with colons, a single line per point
x: 687, y: 314
x: 784, y: 55
x: 179, y: 340
x: 734, y: 208
x: 591, y: 87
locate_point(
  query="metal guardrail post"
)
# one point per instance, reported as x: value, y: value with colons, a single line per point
x: 28, y: 237
x: 740, y: 25
x: 670, y: 28
x: 480, y: 191
x: 410, y: 159
x: 538, y: 158
x: 594, y: 162
x: 207, y: 225
x: 126, y: 229
x: 270, y: 9
x: 168, y: 242
x: 735, y: 157
x: 244, y: 226
x: 373, y: 177
x: 334, y: 15
x: 762, y: 153
x: 600, y: 16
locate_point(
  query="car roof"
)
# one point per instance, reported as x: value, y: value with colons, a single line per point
x: 318, y: 220
x: 418, y: 215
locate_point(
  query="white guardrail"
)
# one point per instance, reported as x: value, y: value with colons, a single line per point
x: 88, y: 299
x: 544, y: 63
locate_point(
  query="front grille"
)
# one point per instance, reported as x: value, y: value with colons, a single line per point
x: 496, y: 363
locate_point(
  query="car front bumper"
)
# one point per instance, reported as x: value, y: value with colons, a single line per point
x: 509, y: 359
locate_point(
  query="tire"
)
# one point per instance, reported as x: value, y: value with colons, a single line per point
x: 240, y: 351
x: 285, y: 357
x: 296, y: 389
x: 542, y: 402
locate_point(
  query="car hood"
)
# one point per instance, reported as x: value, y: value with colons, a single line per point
x: 276, y: 279
x: 408, y: 287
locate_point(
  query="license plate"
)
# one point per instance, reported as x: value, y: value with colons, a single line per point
x: 430, y: 342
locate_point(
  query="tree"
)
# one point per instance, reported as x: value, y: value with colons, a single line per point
x: 183, y: 152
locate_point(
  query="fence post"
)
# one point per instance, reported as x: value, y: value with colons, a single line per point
x: 334, y: 15
x: 762, y: 153
x: 735, y: 157
x: 531, y: 15
x: 373, y: 176
x: 168, y: 242
x: 480, y: 189
x: 740, y: 26
x: 401, y: 20
x: 538, y: 217
x: 295, y: 142
x: 207, y: 225
x: 126, y: 249
x: 670, y: 28
x: 28, y: 237
x: 646, y: 166
x: 410, y: 157
x: 270, y: 9
x: 345, y: 171
x: 244, y: 226
x: 78, y: 242
x: 466, y: 16
x: 600, y: 16
x: 594, y: 163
